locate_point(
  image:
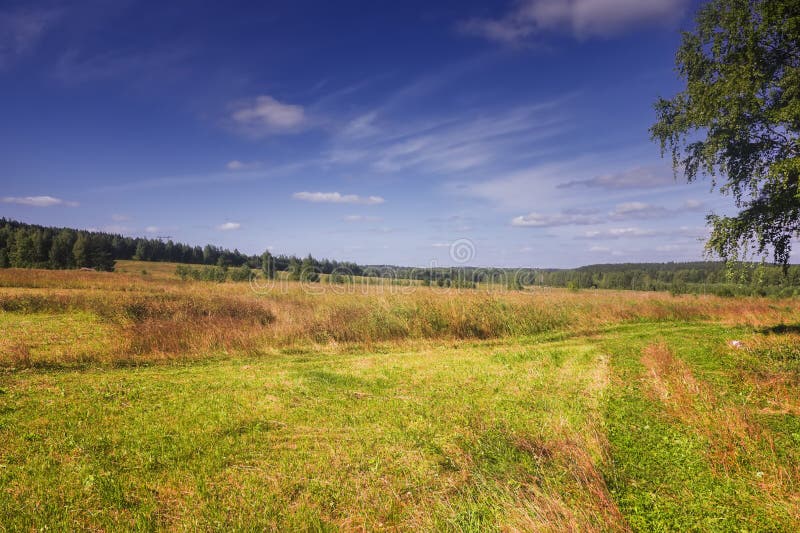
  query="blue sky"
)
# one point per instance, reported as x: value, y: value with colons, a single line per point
x: 379, y: 132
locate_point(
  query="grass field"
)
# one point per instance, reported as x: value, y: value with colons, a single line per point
x: 132, y: 400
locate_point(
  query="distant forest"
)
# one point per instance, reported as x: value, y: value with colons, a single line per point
x: 32, y: 246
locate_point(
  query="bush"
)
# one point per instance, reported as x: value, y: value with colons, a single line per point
x: 243, y: 273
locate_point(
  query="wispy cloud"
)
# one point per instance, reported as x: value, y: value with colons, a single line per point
x: 361, y: 218
x: 337, y: 198
x: 691, y: 204
x: 524, y: 188
x: 118, y: 217
x: 361, y: 126
x: 638, y: 210
x: 540, y: 220
x: 582, y: 18
x: 264, y: 115
x: 634, y: 178
x: 617, y: 233
x: 606, y: 250
x: 241, y: 165
x: 76, y: 67
x: 447, y: 144
x: 591, y: 216
x: 227, y: 177
x: 38, y: 201
x: 229, y: 226
x: 21, y: 31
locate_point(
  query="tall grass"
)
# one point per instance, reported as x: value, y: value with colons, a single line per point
x: 156, y: 318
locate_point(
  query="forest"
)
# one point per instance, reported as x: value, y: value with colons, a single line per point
x: 33, y: 246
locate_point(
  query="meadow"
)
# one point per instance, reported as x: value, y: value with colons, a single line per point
x: 134, y: 400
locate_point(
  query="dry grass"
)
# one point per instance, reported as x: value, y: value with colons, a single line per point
x: 730, y: 432
x: 156, y: 318
x: 547, y: 510
x: 19, y: 354
x: 737, y: 443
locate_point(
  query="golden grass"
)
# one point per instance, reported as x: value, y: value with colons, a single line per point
x: 156, y: 318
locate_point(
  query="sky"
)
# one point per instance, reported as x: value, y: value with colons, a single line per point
x: 509, y: 133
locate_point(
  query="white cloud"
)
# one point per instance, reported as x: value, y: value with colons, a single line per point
x: 152, y: 229
x: 582, y: 18
x: 264, y: 115
x: 539, y: 220
x: 337, y: 198
x: 116, y: 217
x: 229, y: 226
x: 38, y: 201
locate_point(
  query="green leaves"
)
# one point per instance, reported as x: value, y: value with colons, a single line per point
x: 738, y: 120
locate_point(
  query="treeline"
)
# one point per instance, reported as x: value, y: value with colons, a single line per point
x: 700, y: 277
x: 33, y: 246
x: 723, y: 279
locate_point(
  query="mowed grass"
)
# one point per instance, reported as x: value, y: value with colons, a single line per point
x: 454, y: 438
x: 704, y: 435
x: 137, y: 402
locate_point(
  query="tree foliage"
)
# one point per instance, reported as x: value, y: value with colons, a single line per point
x: 738, y: 120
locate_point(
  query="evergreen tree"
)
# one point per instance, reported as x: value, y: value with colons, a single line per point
x: 80, y: 251
x: 100, y: 253
x: 60, y: 255
x: 24, y: 252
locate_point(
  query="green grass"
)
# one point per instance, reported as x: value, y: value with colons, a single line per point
x: 432, y: 439
x: 684, y: 472
x: 552, y: 433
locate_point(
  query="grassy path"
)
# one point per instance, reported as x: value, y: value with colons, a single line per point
x: 643, y: 426
x: 704, y: 436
